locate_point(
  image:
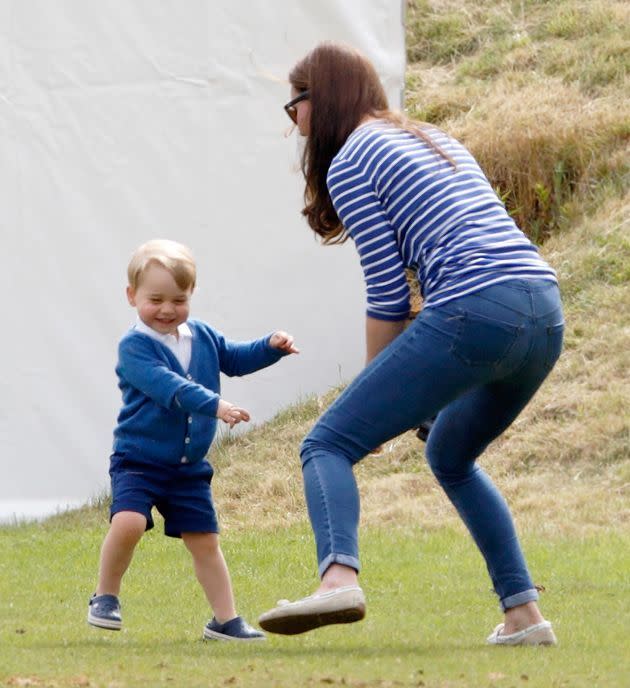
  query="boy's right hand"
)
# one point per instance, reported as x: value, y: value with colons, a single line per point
x: 231, y: 414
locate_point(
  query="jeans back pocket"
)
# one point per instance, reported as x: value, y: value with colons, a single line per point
x: 483, y: 342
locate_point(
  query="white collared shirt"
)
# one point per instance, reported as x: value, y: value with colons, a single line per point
x: 181, y: 346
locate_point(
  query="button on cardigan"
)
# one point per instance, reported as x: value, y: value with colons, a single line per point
x: 168, y: 416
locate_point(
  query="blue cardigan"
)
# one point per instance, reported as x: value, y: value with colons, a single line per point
x: 169, y: 416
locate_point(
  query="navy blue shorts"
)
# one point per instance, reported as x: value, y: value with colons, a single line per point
x: 181, y: 493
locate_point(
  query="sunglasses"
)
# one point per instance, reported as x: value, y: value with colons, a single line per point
x: 290, y: 108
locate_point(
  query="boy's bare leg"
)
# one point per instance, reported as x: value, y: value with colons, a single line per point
x: 125, y: 531
x: 212, y: 573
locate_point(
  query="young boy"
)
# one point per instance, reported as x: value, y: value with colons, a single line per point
x: 168, y: 370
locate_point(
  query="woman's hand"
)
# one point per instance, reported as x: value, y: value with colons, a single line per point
x: 231, y: 414
x: 284, y: 342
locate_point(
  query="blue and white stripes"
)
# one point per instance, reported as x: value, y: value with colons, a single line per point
x: 404, y: 205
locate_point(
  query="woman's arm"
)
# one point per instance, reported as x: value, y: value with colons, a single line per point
x: 375, y: 239
x: 380, y: 333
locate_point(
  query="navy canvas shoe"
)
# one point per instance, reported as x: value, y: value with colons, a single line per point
x: 104, y: 612
x: 235, y: 629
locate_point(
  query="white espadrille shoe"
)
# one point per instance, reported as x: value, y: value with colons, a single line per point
x: 538, y: 634
x: 338, y: 606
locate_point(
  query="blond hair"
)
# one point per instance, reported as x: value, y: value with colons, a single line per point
x: 174, y: 257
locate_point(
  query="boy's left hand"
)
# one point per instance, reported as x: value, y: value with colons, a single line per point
x: 283, y: 341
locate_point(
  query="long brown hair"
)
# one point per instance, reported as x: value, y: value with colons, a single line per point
x: 344, y: 88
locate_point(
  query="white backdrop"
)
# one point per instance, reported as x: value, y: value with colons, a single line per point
x: 124, y: 121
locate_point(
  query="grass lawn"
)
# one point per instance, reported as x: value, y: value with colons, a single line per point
x: 429, y: 609
x: 537, y: 90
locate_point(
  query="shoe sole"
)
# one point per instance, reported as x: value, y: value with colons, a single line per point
x: 104, y: 623
x: 214, y: 635
x: 544, y: 638
x: 301, y: 623
x: 535, y: 637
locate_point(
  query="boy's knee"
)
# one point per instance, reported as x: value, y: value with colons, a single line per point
x: 129, y: 521
x: 203, y: 544
x: 213, y: 541
x: 126, y: 529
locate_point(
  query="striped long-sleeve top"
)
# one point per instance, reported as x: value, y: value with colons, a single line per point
x: 405, y: 205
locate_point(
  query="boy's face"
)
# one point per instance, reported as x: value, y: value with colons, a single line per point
x: 160, y: 303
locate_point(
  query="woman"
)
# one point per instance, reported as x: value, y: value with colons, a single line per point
x: 490, y: 331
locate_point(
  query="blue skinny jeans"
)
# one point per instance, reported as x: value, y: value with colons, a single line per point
x: 476, y: 361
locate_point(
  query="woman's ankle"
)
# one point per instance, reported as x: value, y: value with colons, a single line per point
x: 522, y: 616
x: 338, y: 576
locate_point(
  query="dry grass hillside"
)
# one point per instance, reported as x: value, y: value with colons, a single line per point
x: 538, y: 91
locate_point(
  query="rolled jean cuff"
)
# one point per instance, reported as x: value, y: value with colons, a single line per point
x: 344, y: 559
x: 520, y: 598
